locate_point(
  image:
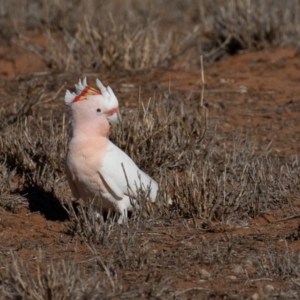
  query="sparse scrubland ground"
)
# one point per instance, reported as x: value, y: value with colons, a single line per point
x: 231, y: 165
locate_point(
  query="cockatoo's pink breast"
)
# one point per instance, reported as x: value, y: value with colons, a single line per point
x: 83, y: 160
x: 97, y: 169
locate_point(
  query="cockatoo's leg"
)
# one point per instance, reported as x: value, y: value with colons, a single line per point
x: 97, y: 215
x: 123, y: 206
x: 123, y: 216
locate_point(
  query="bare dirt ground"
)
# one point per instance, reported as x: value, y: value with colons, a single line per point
x: 252, y: 101
x: 255, y: 93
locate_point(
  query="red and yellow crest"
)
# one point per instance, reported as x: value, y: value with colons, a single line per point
x: 85, y: 92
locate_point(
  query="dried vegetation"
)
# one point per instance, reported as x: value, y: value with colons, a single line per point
x: 137, y: 36
x: 217, y: 182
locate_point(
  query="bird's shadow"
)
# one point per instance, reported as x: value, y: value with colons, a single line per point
x: 40, y: 200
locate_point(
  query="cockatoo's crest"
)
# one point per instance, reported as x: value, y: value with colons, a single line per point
x: 103, y: 97
x: 82, y: 91
x: 86, y: 91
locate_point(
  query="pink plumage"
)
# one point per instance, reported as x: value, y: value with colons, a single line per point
x: 94, y: 165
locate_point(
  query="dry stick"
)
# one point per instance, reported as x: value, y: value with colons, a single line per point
x: 128, y: 186
x: 56, y: 94
x: 101, y: 262
x: 287, y: 218
x: 222, y: 46
x: 152, y: 135
x: 63, y: 125
x: 191, y: 289
x: 295, y: 282
x: 23, y: 111
x: 202, y: 97
x: 261, y: 279
x: 218, y: 91
x: 125, y: 175
x: 202, y: 81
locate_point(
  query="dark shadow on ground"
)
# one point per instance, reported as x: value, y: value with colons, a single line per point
x: 44, y: 202
x: 48, y: 205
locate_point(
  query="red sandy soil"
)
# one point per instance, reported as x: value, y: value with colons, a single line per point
x: 255, y: 93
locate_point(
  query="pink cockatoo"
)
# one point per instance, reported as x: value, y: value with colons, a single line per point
x: 97, y: 169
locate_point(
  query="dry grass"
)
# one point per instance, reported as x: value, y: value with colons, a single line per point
x: 138, y: 36
x: 235, y: 26
x: 221, y: 184
x: 218, y: 182
x: 206, y: 179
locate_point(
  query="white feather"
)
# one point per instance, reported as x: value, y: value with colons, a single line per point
x: 112, y: 173
x: 99, y: 84
x: 80, y: 86
x: 111, y: 93
x: 102, y: 88
x: 69, y: 97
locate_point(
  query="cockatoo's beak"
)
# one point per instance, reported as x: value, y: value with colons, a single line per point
x: 111, y: 101
x: 113, y: 119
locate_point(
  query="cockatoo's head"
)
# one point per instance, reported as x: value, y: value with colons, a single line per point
x: 91, y: 103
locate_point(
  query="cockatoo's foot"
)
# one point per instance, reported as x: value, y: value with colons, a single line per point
x: 97, y: 215
x: 123, y: 215
x: 122, y: 219
x: 73, y: 199
x: 123, y: 206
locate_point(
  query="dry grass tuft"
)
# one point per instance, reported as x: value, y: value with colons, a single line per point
x: 235, y: 26
x: 217, y: 181
x: 143, y: 35
x: 206, y: 178
x: 62, y: 280
x: 123, y: 47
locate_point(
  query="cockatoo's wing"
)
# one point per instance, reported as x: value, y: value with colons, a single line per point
x: 113, y: 175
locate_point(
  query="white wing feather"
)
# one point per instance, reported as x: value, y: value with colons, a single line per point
x: 113, y: 175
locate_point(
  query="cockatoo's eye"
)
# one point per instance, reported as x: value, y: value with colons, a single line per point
x: 98, y: 109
